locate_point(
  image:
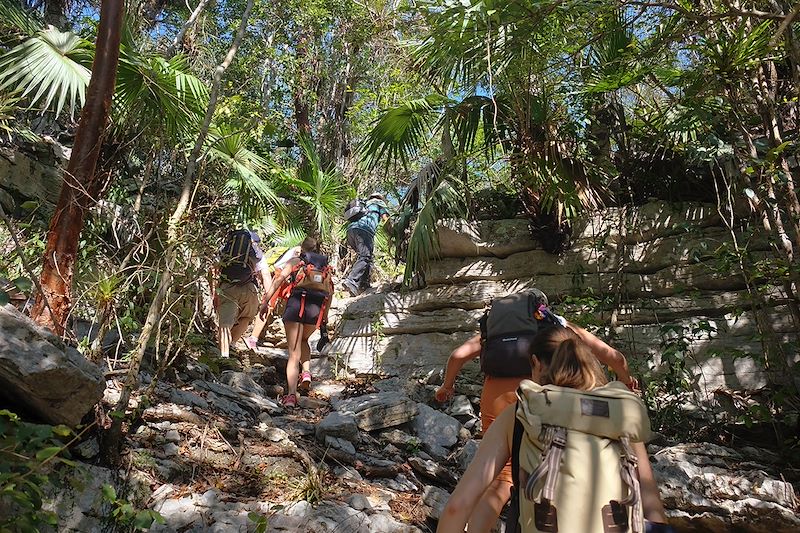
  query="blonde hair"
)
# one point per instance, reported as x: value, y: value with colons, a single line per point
x: 567, y: 360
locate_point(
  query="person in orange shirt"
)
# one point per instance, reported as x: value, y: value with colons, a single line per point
x: 500, y: 392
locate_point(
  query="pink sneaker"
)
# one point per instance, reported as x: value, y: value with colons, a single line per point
x: 251, y: 342
x: 305, y: 381
x: 289, y: 401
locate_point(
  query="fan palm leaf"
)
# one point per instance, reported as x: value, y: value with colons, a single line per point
x: 400, y: 132
x: 50, y: 69
x: 246, y: 173
x: 155, y: 92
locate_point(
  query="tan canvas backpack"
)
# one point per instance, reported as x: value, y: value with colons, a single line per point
x: 573, y: 466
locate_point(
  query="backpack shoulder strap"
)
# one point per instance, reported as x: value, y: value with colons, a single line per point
x: 512, y: 517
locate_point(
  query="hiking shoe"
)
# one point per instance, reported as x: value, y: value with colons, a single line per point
x: 351, y: 289
x: 251, y: 342
x: 289, y: 401
x: 305, y: 381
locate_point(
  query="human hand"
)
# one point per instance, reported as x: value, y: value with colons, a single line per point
x: 633, y: 384
x: 262, y: 311
x: 443, y: 393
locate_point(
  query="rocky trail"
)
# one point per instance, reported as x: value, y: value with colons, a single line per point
x: 368, y: 449
x: 212, y: 450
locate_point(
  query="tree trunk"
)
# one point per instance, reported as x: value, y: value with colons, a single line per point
x: 111, y: 441
x: 65, y: 226
x: 178, y: 41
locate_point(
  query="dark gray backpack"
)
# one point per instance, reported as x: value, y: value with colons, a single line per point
x: 507, y: 330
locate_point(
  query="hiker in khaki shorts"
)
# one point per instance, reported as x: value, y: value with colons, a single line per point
x: 236, y: 298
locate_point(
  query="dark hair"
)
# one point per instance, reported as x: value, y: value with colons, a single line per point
x: 309, y: 244
x: 567, y: 361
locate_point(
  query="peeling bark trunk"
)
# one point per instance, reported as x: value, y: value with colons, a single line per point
x: 80, y: 178
x: 111, y: 441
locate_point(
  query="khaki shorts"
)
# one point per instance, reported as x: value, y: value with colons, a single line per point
x: 236, y: 303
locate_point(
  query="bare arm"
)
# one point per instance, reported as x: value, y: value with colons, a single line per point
x: 607, y: 355
x: 651, y: 500
x: 266, y: 279
x: 277, y: 281
x: 493, y: 454
x: 458, y: 358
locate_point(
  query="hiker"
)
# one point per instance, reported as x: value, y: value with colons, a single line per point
x: 364, y: 218
x: 280, y: 294
x: 507, y: 330
x: 309, y: 277
x: 576, y: 456
x: 234, y: 285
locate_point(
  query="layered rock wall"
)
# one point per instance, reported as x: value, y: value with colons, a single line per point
x: 653, y: 280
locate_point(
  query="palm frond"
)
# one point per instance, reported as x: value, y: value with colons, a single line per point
x: 159, y: 93
x: 323, y: 192
x: 49, y: 68
x: 423, y: 244
x: 400, y: 132
x: 16, y: 20
x: 247, y: 173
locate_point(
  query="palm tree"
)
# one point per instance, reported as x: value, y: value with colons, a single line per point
x: 48, y: 69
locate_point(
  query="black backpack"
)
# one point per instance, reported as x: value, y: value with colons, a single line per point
x: 355, y: 210
x: 507, y: 330
x: 236, y: 258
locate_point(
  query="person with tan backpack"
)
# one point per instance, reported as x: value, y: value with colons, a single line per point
x: 503, y: 345
x: 576, y: 446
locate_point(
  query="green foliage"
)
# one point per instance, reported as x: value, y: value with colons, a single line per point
x: 125, y: 513
x: 50, y: 68
x: 28, y: 455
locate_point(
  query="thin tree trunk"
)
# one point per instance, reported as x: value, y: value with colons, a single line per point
x: 178, y: 41
x: 111, y: 441
x: 53, y: 305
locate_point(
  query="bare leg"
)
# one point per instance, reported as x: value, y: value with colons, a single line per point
x: 305, y: 354
x: 259, y: 325
x: 484, y: 516
x: 239, y: 328
x: 224, y: 341
x: 294, y: 332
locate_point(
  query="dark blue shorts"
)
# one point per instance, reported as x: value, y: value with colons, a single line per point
x: 304, y: 306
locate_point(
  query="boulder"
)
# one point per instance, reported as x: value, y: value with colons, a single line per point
x: 435, y: 427
x: 436, y: 499
x: 337, y: 424
x: 715, y: 489
x: 379, y: 410
x: 40, y: 375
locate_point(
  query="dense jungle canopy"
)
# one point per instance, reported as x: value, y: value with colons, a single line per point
x: 177, y: 121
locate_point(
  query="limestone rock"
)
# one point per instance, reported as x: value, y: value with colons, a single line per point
x: 40, y: 375
x: 435, y: 427
x: 499, y: 238
x: 432, y: 470
x: 338, y: 424
x: 379, y: 410
x: 467, y: 453
x: 706, y: 487
x: 436, y: 499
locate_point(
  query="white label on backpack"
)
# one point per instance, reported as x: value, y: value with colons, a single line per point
x: 317, y: 278
x: 509, y: 339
